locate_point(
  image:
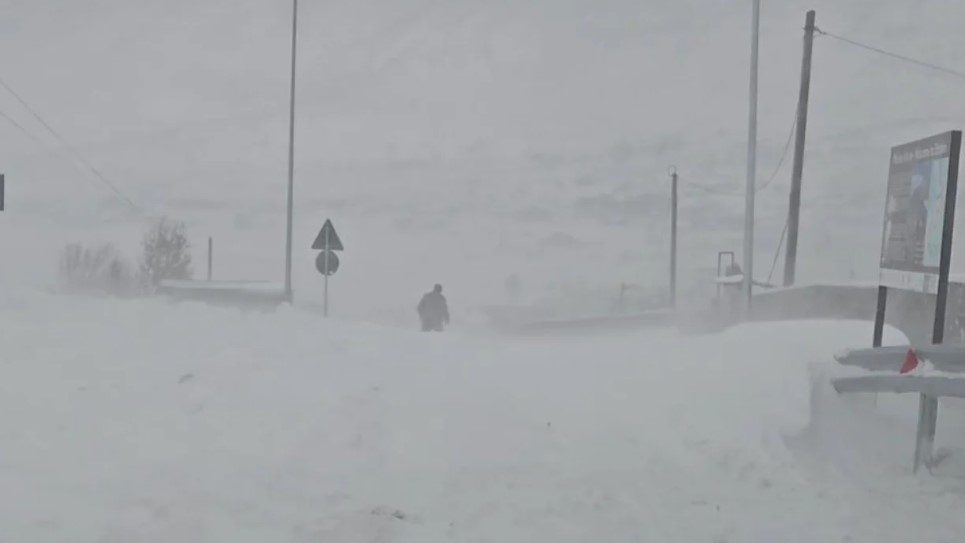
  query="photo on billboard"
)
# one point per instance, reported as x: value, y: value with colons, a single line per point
x: 919, y: 181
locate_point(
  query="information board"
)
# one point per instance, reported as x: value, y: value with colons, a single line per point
x: 917, y: 212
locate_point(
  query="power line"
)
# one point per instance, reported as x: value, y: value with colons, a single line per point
x: 30, y: 135
x: 40, y: 143
x: 21, y: 128
x: 777, y: 252
x: 787, y: 146
x: 897, y: 56
x: 76, y: 155
x: 708, y: 189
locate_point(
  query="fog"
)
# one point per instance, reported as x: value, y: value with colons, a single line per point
x: 456, y: 142
x: 517, y: 154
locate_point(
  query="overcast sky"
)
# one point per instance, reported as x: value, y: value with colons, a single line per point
x: 183, y: 105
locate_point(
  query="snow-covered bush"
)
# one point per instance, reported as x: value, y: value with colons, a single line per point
x: 98, y: 269
x: 166, y: 253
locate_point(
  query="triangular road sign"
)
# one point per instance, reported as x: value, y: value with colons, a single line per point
x: 334, y: 244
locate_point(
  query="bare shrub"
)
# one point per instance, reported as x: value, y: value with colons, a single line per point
x: 99, y: 269
x: 165, y: 253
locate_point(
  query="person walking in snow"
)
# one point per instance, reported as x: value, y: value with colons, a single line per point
x: 433, y: 311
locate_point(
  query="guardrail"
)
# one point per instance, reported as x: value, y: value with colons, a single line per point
x: 897, y: 363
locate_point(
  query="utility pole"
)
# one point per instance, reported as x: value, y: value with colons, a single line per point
x: 751, y: 162
x: 291, y: 161
x: 673, y: 237
x: 794, y: 204
x: 210, y: 253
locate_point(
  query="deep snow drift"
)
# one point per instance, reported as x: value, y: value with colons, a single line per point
x: 151, y: 421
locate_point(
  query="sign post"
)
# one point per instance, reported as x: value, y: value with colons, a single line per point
x: 327, y: 261
x: 916, y: 245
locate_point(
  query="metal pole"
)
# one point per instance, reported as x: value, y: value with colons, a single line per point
x: 210, y: 253
x: 673, y: 238
x: 928, y: 405
x: 751, y: 162
x: 794, y: 205
x: 951, y: 194
x: 291, y: 161
x: 720, y: 257
x: 327, y: 272
x: 880, y: 316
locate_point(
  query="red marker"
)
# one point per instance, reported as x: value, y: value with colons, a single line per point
x: 911, y: 362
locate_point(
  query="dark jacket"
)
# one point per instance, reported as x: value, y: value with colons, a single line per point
x: 433, y: 311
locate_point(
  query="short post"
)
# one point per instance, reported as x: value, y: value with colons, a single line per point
x: 720, y: 258
x: 210, y: 255
x: 720, y: 267
x: 2, y: 190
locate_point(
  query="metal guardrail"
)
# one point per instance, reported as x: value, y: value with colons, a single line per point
x: 903, y: 384
x: 893, y: 362
x: 948, y: 358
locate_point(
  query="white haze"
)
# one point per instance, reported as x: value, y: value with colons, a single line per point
x: 458, y: 142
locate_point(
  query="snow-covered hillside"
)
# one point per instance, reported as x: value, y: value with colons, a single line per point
x: 146, y: 421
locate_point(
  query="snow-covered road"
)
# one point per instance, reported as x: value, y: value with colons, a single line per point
x: 147, y: 421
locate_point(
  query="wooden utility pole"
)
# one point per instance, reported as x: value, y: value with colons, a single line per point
x: 794, y: 205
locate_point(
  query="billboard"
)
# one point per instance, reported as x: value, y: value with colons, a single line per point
x: 919, y: 212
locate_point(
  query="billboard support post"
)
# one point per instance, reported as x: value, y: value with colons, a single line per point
x: 938, y: 332
x: 880, y: 315
x: 928, y: 405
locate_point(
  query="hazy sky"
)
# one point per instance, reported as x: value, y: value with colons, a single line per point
x: 414, y: 116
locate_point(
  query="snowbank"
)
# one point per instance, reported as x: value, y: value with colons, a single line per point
x: 152, y: 421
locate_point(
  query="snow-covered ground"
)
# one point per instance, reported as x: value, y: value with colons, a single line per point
x: 150, y: 421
